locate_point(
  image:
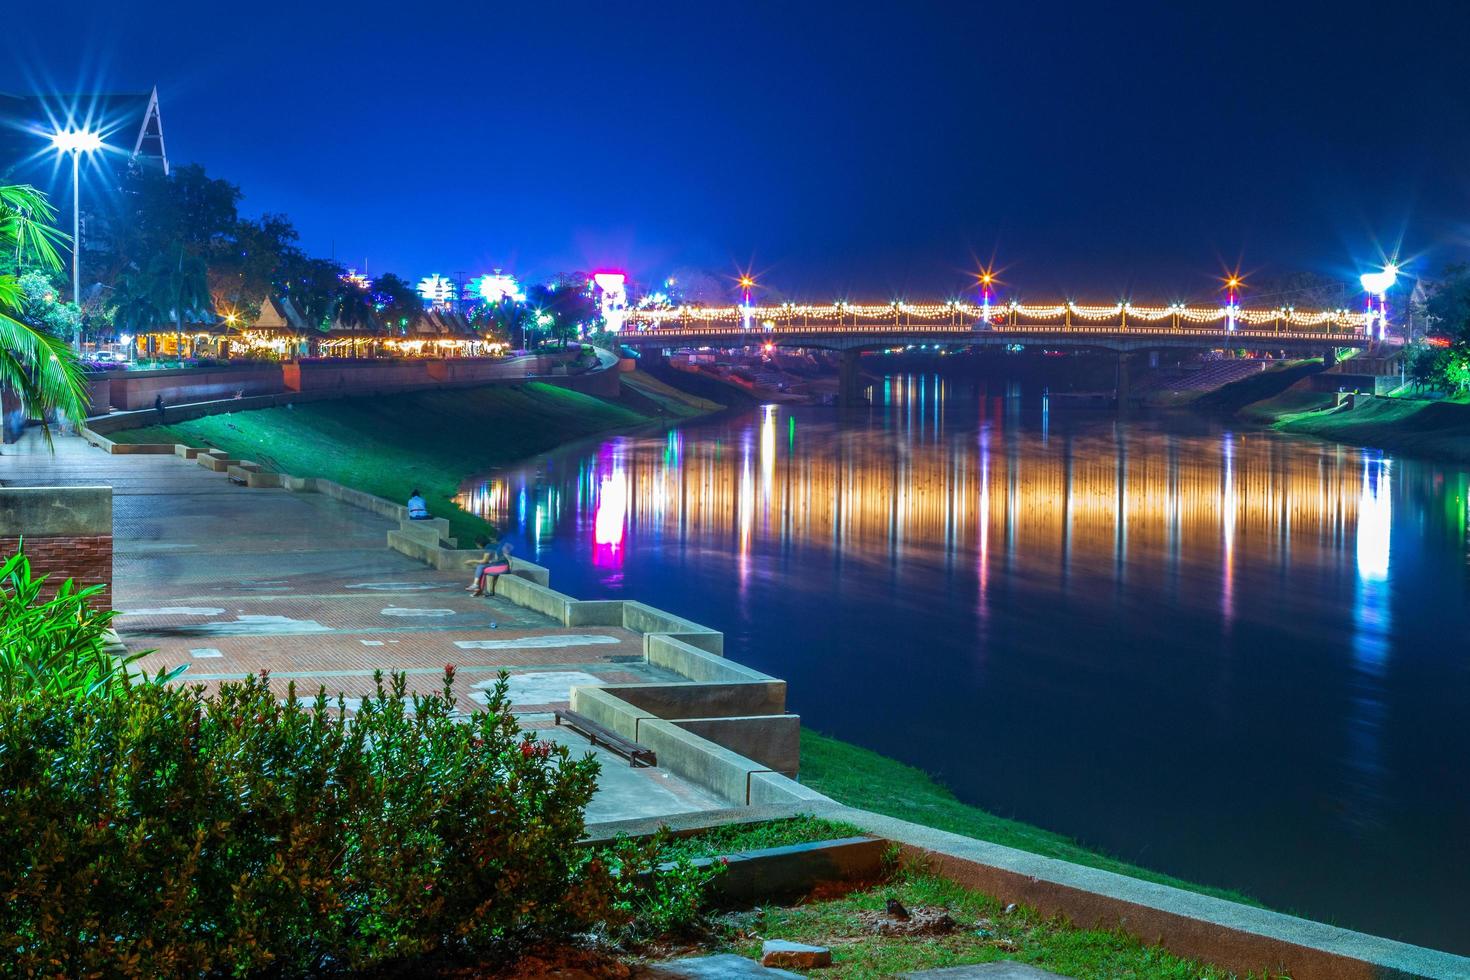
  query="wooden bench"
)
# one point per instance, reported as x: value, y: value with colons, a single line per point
x: 601, y: 735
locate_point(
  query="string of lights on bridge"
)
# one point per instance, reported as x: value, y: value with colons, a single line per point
x: 786, y: 313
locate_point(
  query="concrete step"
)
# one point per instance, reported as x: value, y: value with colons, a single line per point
x: 727, y: 966
x: 1001, y: 970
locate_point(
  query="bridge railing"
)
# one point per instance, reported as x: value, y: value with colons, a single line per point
x: 964, y: 318
x: 754, y: 333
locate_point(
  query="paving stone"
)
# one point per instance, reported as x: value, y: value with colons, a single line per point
x: 230, y: 582
x: 782, y: 952
x: 1002, y: 970
x: 727, y: 966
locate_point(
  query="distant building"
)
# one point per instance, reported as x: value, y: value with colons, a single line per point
x: 130, y: 123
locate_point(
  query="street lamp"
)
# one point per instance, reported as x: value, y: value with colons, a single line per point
x: 746, y: 284
x: 76, y: 142
x: 1233, y: 283
x: 1378, y: 284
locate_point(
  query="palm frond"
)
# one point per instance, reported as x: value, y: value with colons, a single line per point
x: 27, y: 226
x: 43, y: 369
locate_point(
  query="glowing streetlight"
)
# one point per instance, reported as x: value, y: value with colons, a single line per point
x: 1232, y: 305
x: 76, y: 142
x: 986, y: 278
x: 1378, y: 284
x: 747, y: 283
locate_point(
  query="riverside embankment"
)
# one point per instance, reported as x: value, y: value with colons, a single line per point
x: 387, y: 445
x: 1432, y: 429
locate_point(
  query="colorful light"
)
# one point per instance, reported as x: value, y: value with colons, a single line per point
x: 437, y: 291
x: 1378, y: 284
x: 496, y: 286
x: 614, y: 290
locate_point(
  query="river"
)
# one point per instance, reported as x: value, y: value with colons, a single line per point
x: 1234, y: 656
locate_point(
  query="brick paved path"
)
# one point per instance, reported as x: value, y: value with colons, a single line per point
x: 232, y: 581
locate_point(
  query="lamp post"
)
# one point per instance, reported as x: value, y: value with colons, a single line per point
x: 1378, y: 284
x: 1233, y: 283
x: 985, y: 280
x: 746, y: 283
x: 76, y: 142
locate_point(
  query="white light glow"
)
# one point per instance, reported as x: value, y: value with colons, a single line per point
x: 614, y: 289
x: 497, y: 286
x: 76, y: 140
x: 1379, y: 283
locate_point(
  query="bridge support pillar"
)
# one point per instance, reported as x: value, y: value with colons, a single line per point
x: 849, y: 384
x: 1123, y: 392
x: 1329, y: 357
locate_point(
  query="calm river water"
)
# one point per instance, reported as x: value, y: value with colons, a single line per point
x: 1237, y: 657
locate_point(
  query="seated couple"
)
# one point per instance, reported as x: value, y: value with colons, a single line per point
x: 491, y: 565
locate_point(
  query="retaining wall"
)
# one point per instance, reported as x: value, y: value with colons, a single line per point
x: 131, y: 390
x: 66, y: 533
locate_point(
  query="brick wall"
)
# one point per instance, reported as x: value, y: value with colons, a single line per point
x: 88, y: 559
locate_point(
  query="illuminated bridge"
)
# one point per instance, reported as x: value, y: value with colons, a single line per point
x: 1121, y: 327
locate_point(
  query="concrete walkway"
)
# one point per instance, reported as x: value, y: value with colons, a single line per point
x: 231, y: 581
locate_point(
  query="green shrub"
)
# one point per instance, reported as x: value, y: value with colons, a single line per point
x: 166, y: 833
x: 58, y: 645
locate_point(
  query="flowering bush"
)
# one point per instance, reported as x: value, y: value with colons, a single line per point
x: 165, y: 833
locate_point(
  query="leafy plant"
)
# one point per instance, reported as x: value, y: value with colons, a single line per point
x: 167, y: 833
x: 40, y: 366
x: 55, y: 646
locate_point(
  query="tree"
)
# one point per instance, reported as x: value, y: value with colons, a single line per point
x: 41, y: 303
x: 353, y: 309
x: 176, y: 283
x: 506, y: 320
x: 39, y: 366
x: 396, y: 302
x: 1447, y: 305
x: 314, y: 285
x: 1308, y: 290
x: 564, y: 304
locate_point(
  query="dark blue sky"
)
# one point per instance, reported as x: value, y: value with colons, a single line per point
x: 848, y: 149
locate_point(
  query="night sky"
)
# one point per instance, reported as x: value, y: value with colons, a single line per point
x: 836, y: 149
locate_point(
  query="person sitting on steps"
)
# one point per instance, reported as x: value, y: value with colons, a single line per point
x: 494, y: 564
x: 418, y: 508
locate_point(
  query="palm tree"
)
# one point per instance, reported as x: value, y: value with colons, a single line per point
x: 41, y: 367
x: 137, y: 310
x: 354, y: 309
x: 179, y: 284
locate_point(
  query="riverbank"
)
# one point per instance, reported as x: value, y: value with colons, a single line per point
x: 864, y: 779
x: 388, y: 445
x: 1416, y: 426
x: 1283, y: 400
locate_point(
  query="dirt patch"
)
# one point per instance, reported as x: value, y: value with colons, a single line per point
x: 922, y: 921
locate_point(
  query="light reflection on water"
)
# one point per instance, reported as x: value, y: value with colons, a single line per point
x: 1235, y: 656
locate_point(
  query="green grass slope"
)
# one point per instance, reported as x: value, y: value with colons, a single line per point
x: 387, y: 445
x: 1416, y: 426
x: 869, y: 781
x: 1231, y: 398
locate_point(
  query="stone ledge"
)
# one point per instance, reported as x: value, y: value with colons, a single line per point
x: 1236, y: 937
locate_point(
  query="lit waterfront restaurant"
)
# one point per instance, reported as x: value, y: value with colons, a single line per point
x: 281, y: 332
x: 131, y: 125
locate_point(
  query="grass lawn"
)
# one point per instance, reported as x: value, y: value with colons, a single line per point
x: 1231, y: 398
x: 735, y: 838
x: 870, y: 781
x: 984, y: 932
x: 387, y: 445
x: 1439, y: 429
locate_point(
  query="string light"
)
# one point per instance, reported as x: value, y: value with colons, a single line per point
x: 960, y: 314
